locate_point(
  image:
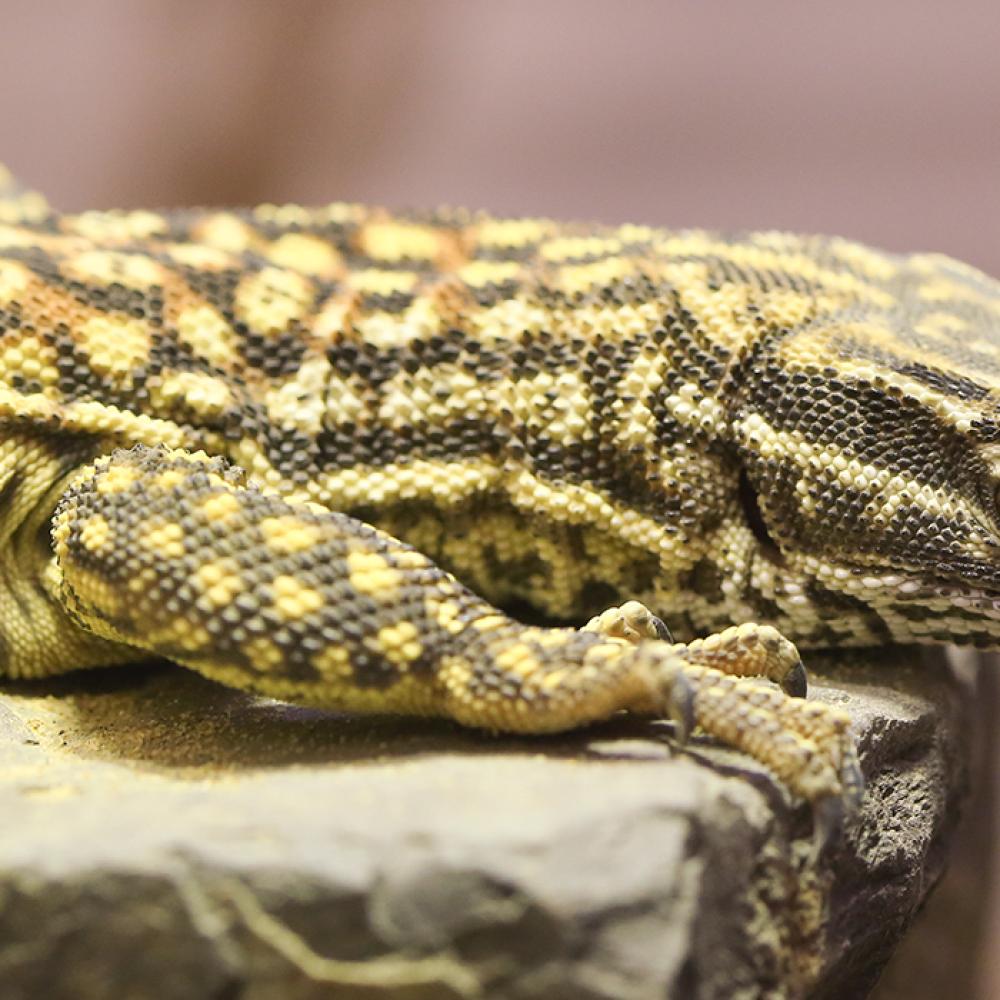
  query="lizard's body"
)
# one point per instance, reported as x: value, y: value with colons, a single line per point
x: 796, y: 431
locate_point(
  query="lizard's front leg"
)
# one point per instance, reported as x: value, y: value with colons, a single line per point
x: 175, y: 553
x: 795, y: 738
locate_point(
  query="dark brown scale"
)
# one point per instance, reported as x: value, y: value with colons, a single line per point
x: 490, y: 294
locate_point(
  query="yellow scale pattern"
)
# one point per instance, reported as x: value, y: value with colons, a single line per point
x: 313, y: 452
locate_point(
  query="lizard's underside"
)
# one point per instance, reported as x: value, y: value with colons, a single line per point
x: 311, y: 452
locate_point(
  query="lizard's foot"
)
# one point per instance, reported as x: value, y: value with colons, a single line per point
x: 806, y: 744
x: 718, y: 685
x: 631, y: 620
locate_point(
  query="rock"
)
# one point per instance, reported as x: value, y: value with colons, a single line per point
x: 167, y: 838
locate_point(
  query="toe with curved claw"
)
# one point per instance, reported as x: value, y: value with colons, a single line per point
x: 680, y: 706
x: 661, y: 629
x: 829, y: 815
x: 795, y: 682
x: 852, y: 781
x: 833, y: 814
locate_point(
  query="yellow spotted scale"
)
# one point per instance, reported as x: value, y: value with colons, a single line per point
x: 313, y: 452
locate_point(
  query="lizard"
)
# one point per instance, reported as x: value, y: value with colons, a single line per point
x: 332, y: 455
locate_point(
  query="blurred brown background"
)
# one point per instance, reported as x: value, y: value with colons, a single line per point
x: 876, y: 120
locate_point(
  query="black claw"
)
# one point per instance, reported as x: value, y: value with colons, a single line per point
x: 828, y: 823
x: 853, y: 782
x: 835, y: 813
x: 662, y: 632
x: 795, y: 682
x: 681, y: 707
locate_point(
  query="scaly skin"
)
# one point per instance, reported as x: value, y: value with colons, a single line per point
x: 222, y: 432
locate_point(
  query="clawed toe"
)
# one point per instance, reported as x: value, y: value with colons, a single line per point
x: 680, y: 707
x: 829, y: 815
x: 660, y: 627
x: 832, y: 814
x: 853, y: 783
x: 795, y: 684
x: 632, y: 621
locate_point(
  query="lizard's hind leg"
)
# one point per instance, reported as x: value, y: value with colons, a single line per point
x: 176, y: 553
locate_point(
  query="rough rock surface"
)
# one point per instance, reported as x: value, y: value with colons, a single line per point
x: 166, y: 838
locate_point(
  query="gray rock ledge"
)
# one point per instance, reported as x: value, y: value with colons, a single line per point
x: 167, y: 838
